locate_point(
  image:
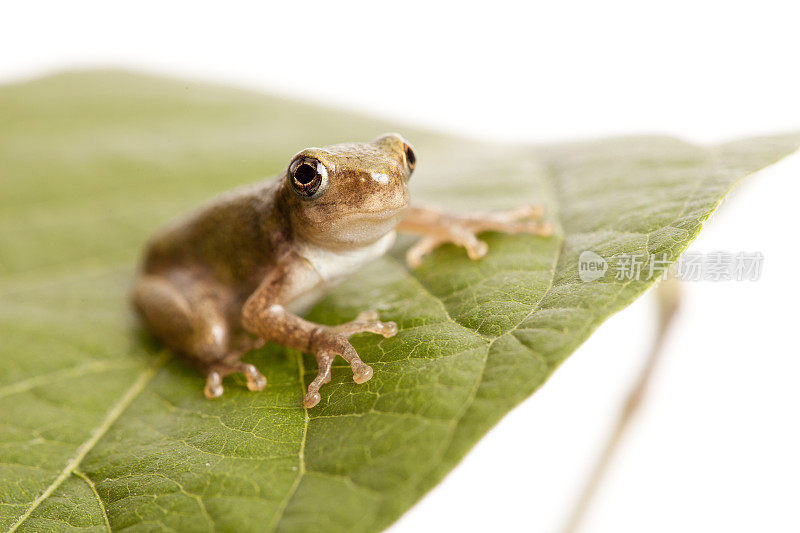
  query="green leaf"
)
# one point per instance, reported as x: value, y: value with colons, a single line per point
x: 100, y: 428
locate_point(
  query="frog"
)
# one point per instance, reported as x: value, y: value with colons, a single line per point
x: 242, y: 269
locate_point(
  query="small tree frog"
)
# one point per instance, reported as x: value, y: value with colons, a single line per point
x: 235, y: 272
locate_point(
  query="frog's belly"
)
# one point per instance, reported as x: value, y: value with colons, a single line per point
x: 335, y: 267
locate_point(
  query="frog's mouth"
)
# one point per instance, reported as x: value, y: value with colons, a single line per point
x: 375, y: 216
x: 364, y: 227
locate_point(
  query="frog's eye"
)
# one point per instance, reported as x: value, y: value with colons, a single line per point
x: 308, y: 176
x: 411, y: 158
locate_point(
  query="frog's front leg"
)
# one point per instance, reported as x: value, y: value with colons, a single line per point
x: 265, y: 315
x: 437, y: 228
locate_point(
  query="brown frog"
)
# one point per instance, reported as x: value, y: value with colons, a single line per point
x: 235, y: 272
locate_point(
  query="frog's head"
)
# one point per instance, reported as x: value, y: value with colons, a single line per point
x: 349, y: 195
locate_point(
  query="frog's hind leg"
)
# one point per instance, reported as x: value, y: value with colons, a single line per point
x: 188, y: 316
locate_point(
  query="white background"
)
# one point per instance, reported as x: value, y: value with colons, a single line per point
x: 716, y: 447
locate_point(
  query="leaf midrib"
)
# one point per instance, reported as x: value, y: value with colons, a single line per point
x: 489, y: 340
x: 301, y: 467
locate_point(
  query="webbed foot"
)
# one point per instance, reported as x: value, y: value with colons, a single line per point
x: 462, y: 230
x: 330, y: 341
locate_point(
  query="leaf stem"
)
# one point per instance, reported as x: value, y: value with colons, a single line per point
x: 668, y: 296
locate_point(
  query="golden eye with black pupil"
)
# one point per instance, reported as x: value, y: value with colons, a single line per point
x: 308, y: 176
x: 411, y: 158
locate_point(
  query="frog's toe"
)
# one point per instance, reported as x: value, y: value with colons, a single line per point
x: 311, y: 399
x: 532, y: 211
x: 476, y: 248
x: 532, y: 226
x: 255, y: 379
x: 422, y: 248
x: 324, y: 362
x: 543, y: 229
x: 214, y: 388
x: 372, y: 314
x: 390, y: 329
x: 366, y: 322
x: 362, y: 373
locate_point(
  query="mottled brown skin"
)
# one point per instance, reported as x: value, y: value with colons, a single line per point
x: 220, y: 281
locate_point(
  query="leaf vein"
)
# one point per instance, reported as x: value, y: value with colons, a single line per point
x: 97, y: 433
x: 91, y: 484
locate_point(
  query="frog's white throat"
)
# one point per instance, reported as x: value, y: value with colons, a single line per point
x: 334, y: 266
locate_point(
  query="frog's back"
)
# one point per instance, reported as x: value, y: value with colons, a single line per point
x: 231, y: 238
